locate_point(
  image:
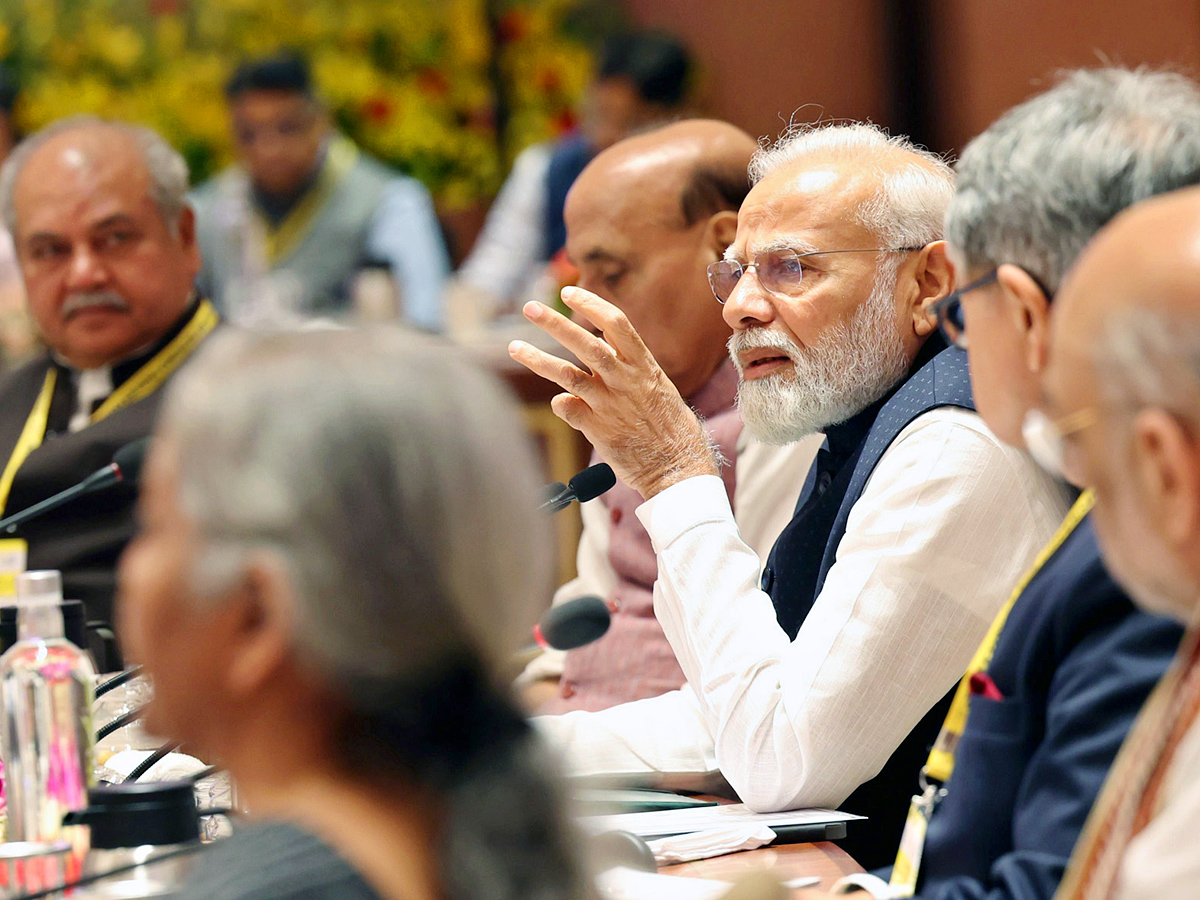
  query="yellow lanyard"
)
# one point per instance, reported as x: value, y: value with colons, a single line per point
x: 282, y: 240
x: 940, y: 765
x: 144, y: 382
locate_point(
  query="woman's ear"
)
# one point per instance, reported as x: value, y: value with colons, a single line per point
x: 1030, y: 308
x: 932, y: 279
x: 260, y: 624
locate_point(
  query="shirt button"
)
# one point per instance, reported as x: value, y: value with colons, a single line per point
x: 568, y: 690
x: 616, y: 515
x: 823, y: 482
x: 768, y: 579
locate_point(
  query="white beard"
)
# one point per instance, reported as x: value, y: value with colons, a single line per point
x: 847, y: 370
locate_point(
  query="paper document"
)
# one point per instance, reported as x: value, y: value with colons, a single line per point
x: 627, y: 884
x: 684, y: 821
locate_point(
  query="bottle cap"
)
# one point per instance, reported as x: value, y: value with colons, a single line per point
x: 42, y: 586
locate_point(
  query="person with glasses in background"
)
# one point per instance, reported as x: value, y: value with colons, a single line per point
x: 286, y: 232
x: 1067, y: 664
x: 1120, y: 411
x: 824, y: 683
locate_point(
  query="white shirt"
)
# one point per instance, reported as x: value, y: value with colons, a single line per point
x: 510, y: 251
x: 945, y: 526
x: 769, y: 480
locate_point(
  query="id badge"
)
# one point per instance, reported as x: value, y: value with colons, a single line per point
x: 912, y: 844
x: 14, y: 554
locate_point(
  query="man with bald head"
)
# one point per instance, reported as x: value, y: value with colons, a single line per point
x: 1120, y: 412
x: 107, y: 250
x: 644, y: 221
x: 912, y: 525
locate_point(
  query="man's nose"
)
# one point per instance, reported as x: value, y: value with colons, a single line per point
x: 87, y: 270
x: 749, y: 305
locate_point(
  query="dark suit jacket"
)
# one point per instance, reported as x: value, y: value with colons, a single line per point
x: 1075, y: 662
x: 83, y: 538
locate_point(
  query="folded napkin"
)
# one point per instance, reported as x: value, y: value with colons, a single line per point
x: 713, y: 842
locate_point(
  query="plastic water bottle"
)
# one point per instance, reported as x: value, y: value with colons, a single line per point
x: 46, y: 686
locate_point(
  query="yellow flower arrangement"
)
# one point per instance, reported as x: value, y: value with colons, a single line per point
x: 412, y: 81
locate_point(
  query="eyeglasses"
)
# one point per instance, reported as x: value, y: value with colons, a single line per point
x: 1046, y: 438
x: 949, y: 312
x: 779, y: 271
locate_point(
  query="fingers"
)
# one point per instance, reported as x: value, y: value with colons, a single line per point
x: 566, y: 375
x: 616, y: 327
x: 593, y: 351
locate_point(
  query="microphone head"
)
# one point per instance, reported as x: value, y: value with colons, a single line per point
x: 129, y: 459
x: 574, y: 623
x: 592, y: 482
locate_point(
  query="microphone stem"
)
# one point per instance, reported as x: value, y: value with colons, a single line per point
x: 94, y: 482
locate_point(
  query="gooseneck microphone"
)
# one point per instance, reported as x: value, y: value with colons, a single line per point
x: 573, y: 624
x: 587, y: 485
x: 125, y: 467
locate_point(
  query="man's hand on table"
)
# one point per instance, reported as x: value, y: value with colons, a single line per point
x: 625, y: 405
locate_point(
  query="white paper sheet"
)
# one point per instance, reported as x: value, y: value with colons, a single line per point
x: 684, y: 821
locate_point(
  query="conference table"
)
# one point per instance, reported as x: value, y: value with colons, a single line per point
x: 825, y: 860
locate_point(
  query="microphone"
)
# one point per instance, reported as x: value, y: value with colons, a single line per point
x: 573, y: 624
x: 586, y: 485
x: 125, y: 467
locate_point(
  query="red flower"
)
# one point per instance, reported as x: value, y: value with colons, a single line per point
x: 563, y: 122
x: 513, y: 26
x: 377, y: 109
x: 164, y: 7
x: 432, y: 82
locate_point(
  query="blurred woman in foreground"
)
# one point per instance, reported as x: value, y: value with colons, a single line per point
x: 339, y: 552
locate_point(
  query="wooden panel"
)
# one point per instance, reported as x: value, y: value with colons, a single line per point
x: 988, y: 55
x: 762, y: 61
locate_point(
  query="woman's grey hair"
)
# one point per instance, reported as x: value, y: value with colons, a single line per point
x: 391, y: 478
x: 910, y: 205
x: 1039, y: 183
x: 166, y: 167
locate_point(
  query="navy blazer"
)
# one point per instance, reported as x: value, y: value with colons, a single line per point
x: 1074, y: 663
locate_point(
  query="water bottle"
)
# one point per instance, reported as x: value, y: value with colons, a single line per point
x: 46, y: 687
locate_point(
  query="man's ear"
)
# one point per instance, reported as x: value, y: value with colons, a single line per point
x: 260, y: 625
x: 1030, y: 308
x: 1166, y: 469
x: 721, y: 232
x: 932, y: 279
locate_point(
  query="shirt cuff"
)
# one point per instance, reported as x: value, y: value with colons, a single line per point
x: 684, y: 505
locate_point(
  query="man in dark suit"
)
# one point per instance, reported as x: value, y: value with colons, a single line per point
x: 106, y: 245
x: 1069, y: 661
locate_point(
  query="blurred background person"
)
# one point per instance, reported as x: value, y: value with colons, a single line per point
x: 339, y: 551
x: 644, y: 220
x: 1121, y: 409
x: 107, y: 247
x: 640, y: 78
x: 287, y: 232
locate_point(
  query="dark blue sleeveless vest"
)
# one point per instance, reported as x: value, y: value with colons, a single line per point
x: 806, y: 549
x: 567, y: 160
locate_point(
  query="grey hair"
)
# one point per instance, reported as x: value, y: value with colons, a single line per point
x: 166, y: 167
x: 1146, y: 357
x: 392, y: 480
x: 909, y: 206
x: 1045, y: 177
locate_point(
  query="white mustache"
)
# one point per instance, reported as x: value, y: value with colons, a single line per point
x: 758, y: 339
x: 91, y: 300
